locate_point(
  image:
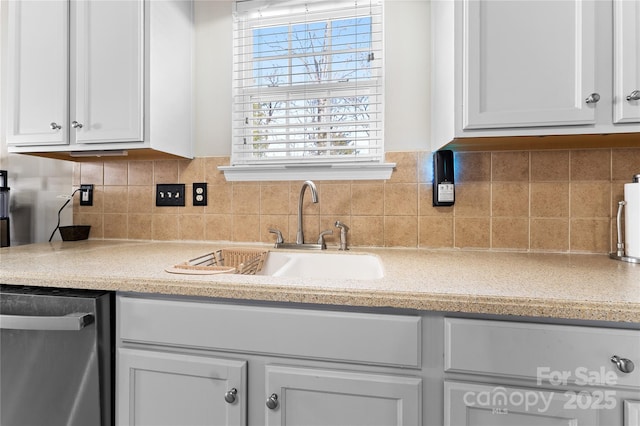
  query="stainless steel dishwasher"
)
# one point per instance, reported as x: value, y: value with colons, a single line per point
x: 55, y: 357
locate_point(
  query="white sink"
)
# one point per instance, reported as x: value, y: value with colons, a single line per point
x: 351, y: 266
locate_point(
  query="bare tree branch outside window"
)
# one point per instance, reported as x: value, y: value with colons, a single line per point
x: 308, y: 95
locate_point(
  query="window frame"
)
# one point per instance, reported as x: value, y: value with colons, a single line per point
x: 366, y: 166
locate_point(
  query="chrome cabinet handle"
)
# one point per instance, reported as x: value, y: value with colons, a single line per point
x: 592, y: 98
x: 71, y: 322
x: 625, y: 365
x: 230, y: 395
x: 55, y: 126
x: 634, y: 96
x: 76, y: 125
x: 272, y: 402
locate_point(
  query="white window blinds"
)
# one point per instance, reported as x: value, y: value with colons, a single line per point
x: 307, y: 82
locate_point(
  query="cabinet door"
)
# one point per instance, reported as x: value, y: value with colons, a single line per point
x: 626, y: 71
x: 107, y: 71
x: 470, y: 404
x: 307, y: 396
x: 157, y: 388
x: 631, y: 413
x: 37, y: 72
x: 528, y: 63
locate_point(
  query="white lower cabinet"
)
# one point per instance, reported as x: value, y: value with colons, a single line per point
x: 477, y: 404
x: 631, y: 413
x: 161, y: 388
x: 472, y: 404
x: 519, y: 373
x: 186, y: 363
x: 306, y: 396
x: 200, y: 362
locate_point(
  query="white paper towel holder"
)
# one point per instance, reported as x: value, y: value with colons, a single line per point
x: 619, y: 254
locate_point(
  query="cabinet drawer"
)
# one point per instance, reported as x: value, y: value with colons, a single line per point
x: 555, y: 354
x: 349, y: 337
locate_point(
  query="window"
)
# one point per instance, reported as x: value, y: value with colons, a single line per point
x: 308, y: 87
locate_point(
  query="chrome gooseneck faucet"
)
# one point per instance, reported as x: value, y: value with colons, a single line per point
x: 314, y: 196
x: 300, y: 244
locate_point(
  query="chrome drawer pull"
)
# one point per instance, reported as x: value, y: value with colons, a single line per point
x: 625, y: 365
x: 593, y: 98
x: 634, y: 96
x: 230, y: 395
x: 272, y: 402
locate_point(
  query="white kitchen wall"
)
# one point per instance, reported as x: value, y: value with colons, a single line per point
x: 35, y: 182
x: 407, y: 59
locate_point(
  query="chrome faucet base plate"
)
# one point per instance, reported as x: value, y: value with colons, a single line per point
x: 629, y: 259
x: 301, y: 246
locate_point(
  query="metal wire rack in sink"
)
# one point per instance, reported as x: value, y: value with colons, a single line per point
x: 244, y: 261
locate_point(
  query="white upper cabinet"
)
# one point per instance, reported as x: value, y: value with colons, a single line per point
x: 37, y: 93
x: 626, y: 77
x: 89, y: 76
x: 533, y: 67
x: 528, y: 63
x: 108, y: 65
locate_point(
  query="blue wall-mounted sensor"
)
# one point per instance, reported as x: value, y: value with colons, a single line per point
x: 444, y: 193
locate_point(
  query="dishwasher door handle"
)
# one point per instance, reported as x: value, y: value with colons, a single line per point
x: 70, y: 322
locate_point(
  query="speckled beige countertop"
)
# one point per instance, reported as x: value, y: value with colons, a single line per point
x: 590, y: 287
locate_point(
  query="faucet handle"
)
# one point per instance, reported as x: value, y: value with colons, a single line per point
x: 279, y: 239
x: 321, y: 238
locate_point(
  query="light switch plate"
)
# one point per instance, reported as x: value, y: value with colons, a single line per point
x: 170, y: 195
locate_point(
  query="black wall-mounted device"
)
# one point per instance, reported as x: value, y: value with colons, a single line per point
x: 443, y: 180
